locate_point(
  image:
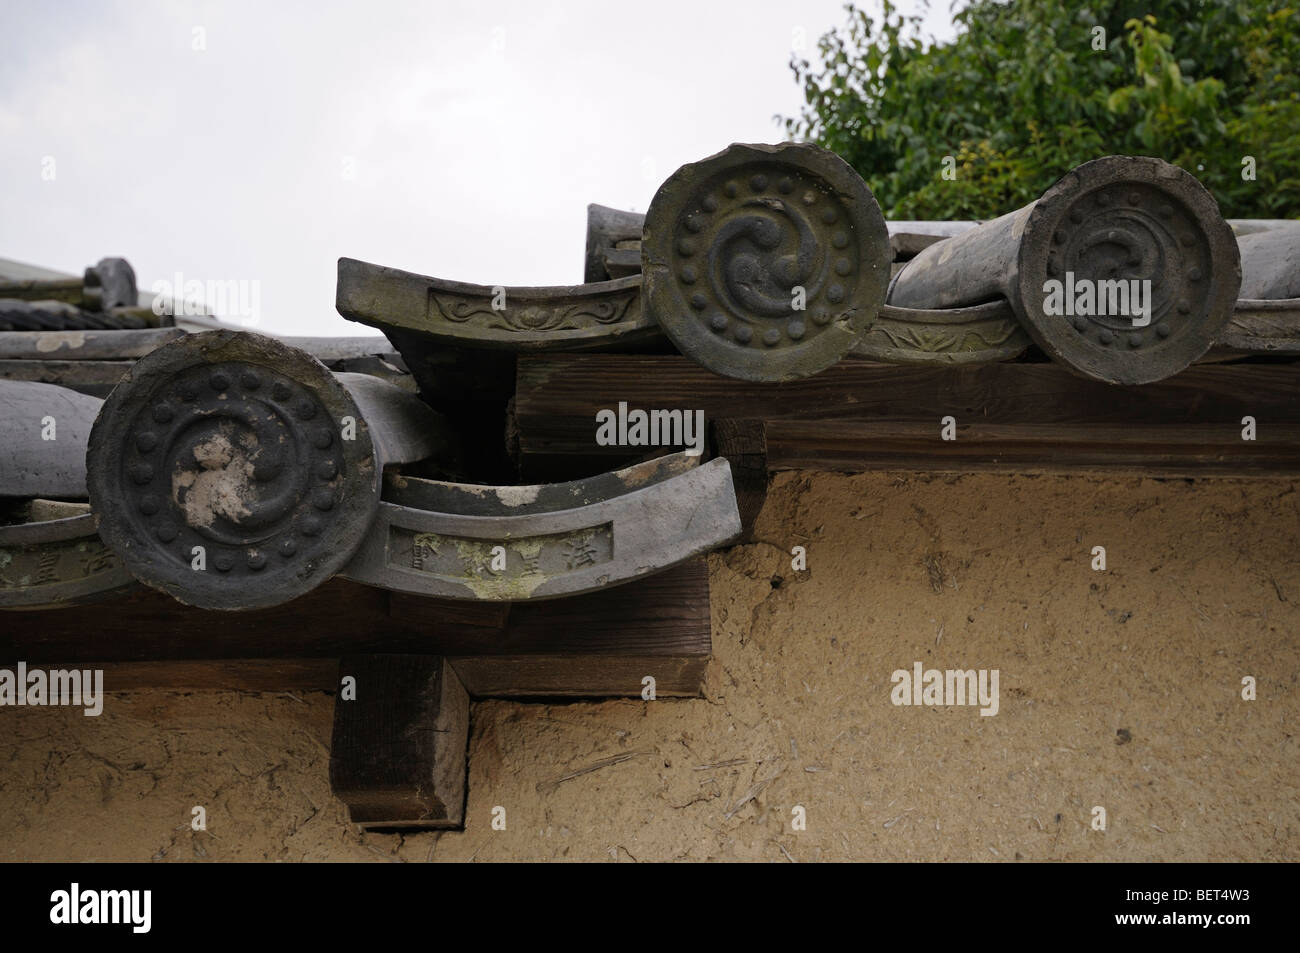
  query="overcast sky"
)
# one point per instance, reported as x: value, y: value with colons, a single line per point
x: 260, y: 142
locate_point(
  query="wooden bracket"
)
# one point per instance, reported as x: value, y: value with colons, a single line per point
x: 401, y: 731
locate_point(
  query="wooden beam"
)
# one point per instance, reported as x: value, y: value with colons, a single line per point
x: 1186, y: 450
x: 401, y: 731
x: 581, y: 646
x: 600, y: 644
x: 603, y: 676
x: 233, y: 675
x: 860, y: 415
x: 744, y: 444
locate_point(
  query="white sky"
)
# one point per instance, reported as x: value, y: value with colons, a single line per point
x: 477, y: 132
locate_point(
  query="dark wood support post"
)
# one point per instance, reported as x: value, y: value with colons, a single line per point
x: 401, y: 730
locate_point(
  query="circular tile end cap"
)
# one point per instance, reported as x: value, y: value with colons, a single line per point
x: 235, y: 444
x: 1110, y: 223
x: 765, y: 262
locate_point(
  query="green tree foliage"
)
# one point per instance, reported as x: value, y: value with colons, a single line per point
x: 1030, y: 88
